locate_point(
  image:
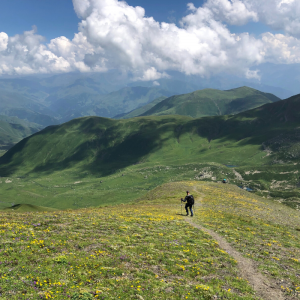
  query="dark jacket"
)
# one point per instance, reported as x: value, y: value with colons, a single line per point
x: 189, y: 199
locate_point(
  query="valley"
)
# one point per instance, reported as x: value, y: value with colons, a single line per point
x: 257, y: 150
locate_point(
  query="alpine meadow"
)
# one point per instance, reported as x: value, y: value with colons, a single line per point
x: 150, y: 150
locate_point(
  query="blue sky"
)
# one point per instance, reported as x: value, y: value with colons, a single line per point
x: 55, y: 18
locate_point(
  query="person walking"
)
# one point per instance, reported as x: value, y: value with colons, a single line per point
x: 189, y: 199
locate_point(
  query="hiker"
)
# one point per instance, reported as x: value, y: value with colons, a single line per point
x: 224, y: 180
x: 189, y: 199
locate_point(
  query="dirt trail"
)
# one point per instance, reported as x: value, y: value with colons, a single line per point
x: 264, y: 287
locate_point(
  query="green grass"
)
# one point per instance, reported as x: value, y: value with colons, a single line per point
x: 143, y: 250
x: 28, y: 208
x: 146, y: 250
x: 65, y: 190
x: 260, y: 229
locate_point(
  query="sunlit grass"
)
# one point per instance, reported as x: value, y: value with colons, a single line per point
x: 146, y: 251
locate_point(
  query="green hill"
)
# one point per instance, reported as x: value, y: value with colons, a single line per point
x: 211, y: 102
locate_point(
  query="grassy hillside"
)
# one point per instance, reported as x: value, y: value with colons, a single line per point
x: 147, y: 250
x: 92, y: 161
x: 97, y: 144
x: 13, y: 129
x: 210, y: 102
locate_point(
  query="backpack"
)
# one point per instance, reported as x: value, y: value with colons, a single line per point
x: 190, y: 200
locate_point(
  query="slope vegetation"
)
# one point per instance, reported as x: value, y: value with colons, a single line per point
x: 98, y: 144
x: 147, y: 250
x: 210, y: 102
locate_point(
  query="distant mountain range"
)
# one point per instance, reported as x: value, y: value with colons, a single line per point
x: 13, y: 129
x: 85, y: 104
x: 137, y: 101
x: 50, y: 100
x: 60, y: 98
x: 207, y: 102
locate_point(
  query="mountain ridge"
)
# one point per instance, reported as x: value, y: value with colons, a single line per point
x: 210, y: 102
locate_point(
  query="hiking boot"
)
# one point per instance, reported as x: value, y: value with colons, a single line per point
x: 187, y: 214
x: 191, y: 215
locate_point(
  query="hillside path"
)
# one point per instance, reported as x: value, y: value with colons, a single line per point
x: 264, y: 287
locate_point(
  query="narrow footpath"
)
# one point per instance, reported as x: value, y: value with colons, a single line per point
x: 263, y: 286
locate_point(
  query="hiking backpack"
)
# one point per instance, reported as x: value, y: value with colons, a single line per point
x: 190, y: 200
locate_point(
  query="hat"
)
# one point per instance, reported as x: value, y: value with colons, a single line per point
x: 187, y: 191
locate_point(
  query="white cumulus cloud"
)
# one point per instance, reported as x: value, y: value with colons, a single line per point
x: 152, y: 74
x: 233, y: 12
x: 113, y: 34
x: 281, y: 49
x: 3, y: 41
x: 128, y: 39
x: 278, y: 14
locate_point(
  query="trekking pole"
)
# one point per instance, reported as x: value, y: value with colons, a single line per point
x: 181, y: 206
